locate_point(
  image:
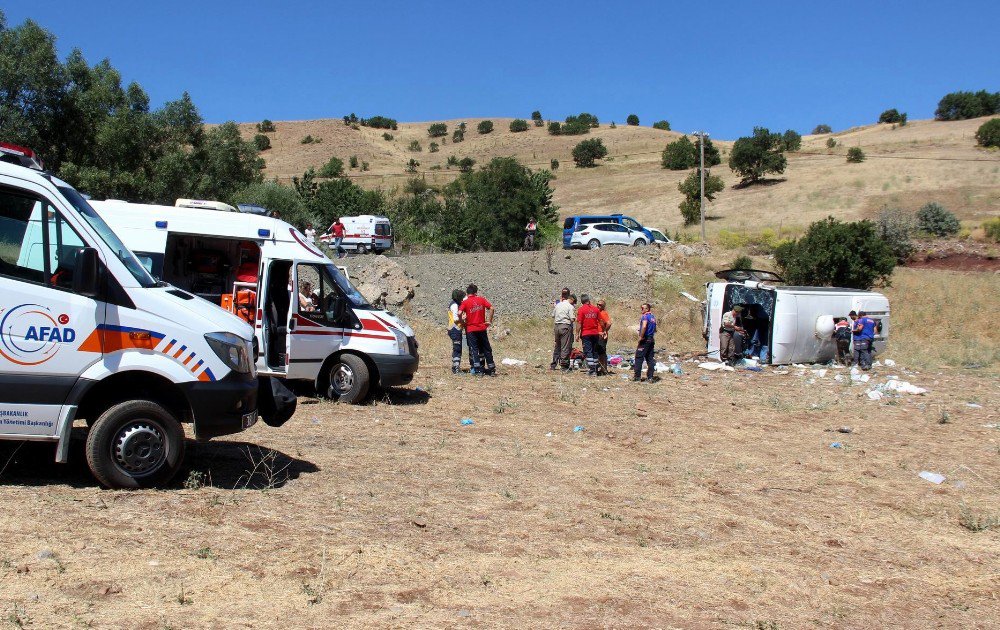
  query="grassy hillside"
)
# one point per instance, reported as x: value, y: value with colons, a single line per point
x: 923, y: 161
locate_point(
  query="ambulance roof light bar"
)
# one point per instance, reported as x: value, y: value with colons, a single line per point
x: 22, y: 156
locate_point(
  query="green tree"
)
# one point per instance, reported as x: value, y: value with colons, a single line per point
x: 458, y: 136
x: 555, y: 128
x: 988, y: 134
x: 465, y: 164
x: 536, y: 117
x: 755, y: 156
x: 333, y: 168
x: 554, y: 164
x: 690, y: 188
x: 820, y: 129
x: 965, y: 105
x: 411, y: 166
x: 791, y: 141
x: 484, y: 127
x: 437, y: 130
x: 226, y: 164
x: 935, y: 219
x: 891, y: 116
x: 662, y: 125
x: 830, y: 143
x: 387, y: 136
x: 833, y: 253
x: 680, y: 155
x: 415, y: 146
x: 632, y: 120
x: 518, y: 125
x: 262, y: 142
x: 433, y: 147
x: 353, y: 161
x: 712, y: 157
x: 588, y: 151
x: 855, y: 155
x: 265, y: 126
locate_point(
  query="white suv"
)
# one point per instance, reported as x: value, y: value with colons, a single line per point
x: 600, y: 234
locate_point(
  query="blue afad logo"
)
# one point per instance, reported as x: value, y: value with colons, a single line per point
x: 30, y: 336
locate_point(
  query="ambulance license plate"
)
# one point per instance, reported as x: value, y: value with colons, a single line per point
x: 249, y: 419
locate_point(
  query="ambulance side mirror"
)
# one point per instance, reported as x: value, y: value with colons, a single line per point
x: 339, y: 309
x: 85, y: 275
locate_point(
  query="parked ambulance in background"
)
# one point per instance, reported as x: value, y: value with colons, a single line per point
x: 363, y: 234
x: 310, y: 322
x: 87, y: 333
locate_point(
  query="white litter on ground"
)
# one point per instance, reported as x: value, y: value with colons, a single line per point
x: 513, y: 362
x: 715, y: 366
x: 889, y: 363
x: 875, y: 394
x: 819, y: 373
x: 661, y: 367
x: 932, y: 477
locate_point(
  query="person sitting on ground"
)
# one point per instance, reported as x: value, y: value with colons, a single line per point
x: 644, y: 351
x: 731, y: 336
x: 477, y: 316
x: 563, y: 316
x: 842, y: 335
x: 589, y: 332
x: 455, y: 330
x: 602, y: 343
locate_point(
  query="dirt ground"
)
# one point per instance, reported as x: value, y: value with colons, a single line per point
x: 707, y: 500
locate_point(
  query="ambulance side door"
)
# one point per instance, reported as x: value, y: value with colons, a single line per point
x: 48, y: 333
x: 313, y: 331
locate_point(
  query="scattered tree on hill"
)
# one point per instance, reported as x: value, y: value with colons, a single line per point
x: 415, y: 146
x: 632, y: 120
x: 965, y: 105
x: 833, y: 253
x: 308, y: 139
x: 587, y: 119
x: 554, y: 164
x: 518, y: 124
x: 588, y: 151
x: 351, y: 119
x: 353, y: 161
x: 791, y: 141
x: 465, y: 164
x: 662, y: 124
x: 265, y: 126
x: 555, y: 128
x: 484, y: 127
x: 935, y: 219
x: 712, y: 157
x: 690, y: 187
x: 452, y: 160
x: 411, y: 166
x: 333, y: 168
x: 458, y: 136
x: 536, y: 117
x: 831, y: 142
x: 679, y: 155
x: 437, y: 130
x: 988, y: 134
x: 379, y: 122
x: 433, y: 147
x: 855, y: 155
x: 819, y: 129
x: 364, y: 166
x: 262, y: 142
x: 891, y: 116
x: 387, y: 136
x: 754, y: 156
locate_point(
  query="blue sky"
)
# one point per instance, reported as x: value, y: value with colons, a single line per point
x: 722, y: 66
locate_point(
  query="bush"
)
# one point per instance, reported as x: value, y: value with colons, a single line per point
x: 791, y: 141
x: 364, y: 166
x: 764, y: 243
x: 612, y: 125
x: 265, y: 126
x: 964, y: 105
x: 518, y: 124
x: 458, y: 136
x: 333, y: 168
x: 818, y: 129
x: 351, y: 120
x: 830, y: 143
x: 437, y: 130
x: 262, y: 142
x: 891, y: 116
x: 741, y: 262
x: 452, y: 161
x: 585, y: 153
x: 988, y: 134
x: 554, y: 128
x: 855, y: 155
x: 574, y: 127
x: 732, y: 240
x: 690, y: 187
x: 433, y: 147
x: 536, y: 117
x: 833, y: 253
x: 308, y: 140
x: 411, y: 166
x: 485, y: 127
x: 387, y: 136
x: 465, y: 164
x: 934, y: 219
x: 632, y: 120
x: 679, y: 155
x: 414, y: 146
x: 754, y: 156
x: 353, y: 161
x: 379, y: 122
x: 584, y: 119
x: 895, y: 226
x: 992, y: 229
x: 662, y: 125
x: 554, y: 164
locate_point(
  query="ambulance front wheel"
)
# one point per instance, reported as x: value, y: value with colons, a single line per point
x: 135, y: 444
x: 362, y: 250
x: 349, y: 380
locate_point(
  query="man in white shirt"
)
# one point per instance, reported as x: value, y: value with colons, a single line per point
x: 310, y: 233
x: 563, y: 316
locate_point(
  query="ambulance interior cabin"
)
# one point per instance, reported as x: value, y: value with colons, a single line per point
x: 756, y: 318
x: 221, y: 270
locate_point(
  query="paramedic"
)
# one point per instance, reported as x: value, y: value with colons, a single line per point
x: 842, y: 334
x: 477, y: 316
x: 337, y: 229
x: 563, y: 316
x: 644, y: 351
x: 529, y: 234
x: 589, y: 332
x: 602, y: 343
x: 864, y: 336
x: 731, y: 338
x: 455, y: 330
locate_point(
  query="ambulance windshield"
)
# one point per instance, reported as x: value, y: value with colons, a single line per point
x: 357, y: 300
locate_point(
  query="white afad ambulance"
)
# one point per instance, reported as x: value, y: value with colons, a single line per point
x: 362, y: 234
x: 310, y: 322
x: 86, y: 333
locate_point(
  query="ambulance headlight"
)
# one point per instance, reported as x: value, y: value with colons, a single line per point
x: 401, y: 344
x: 232, y: 349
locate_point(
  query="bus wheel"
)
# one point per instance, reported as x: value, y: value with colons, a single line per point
x: 135, y: 444
x: 348, y: 380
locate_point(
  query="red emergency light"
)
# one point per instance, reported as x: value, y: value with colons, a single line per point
x: 22, y: 156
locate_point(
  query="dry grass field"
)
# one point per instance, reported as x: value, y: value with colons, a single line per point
x: 924, y: 161
x: 707, y: 500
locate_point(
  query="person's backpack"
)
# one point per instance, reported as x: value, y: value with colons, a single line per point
x: 843, y: 333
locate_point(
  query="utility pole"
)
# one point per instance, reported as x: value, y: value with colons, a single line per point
x: 701, y: 135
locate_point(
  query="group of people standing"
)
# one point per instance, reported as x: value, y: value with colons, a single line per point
x: 473, y: 314
x: 859, y: 329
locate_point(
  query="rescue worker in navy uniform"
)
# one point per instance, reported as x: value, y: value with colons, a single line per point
x: 864, y: 337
